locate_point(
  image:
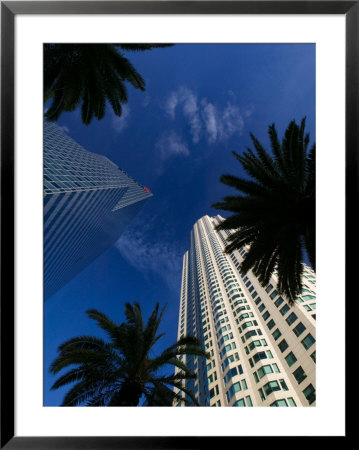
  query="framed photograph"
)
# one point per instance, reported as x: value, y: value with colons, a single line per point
x: 120, y: 124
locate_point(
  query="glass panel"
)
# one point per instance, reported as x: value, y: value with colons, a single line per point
x: 308, y: 341
x: 299, y: 374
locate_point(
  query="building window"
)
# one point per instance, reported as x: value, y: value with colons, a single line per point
x: 270, y: 387
x: 271, y: 324
x: 309, y: 393
x: 258, y: 356
x: 291, y: 359
x: 269, y: 288
x: 273, y: 294
x: 291, y: 401
x: 248, y: 324
x: 236, y: 387
x: 298, y: 330
x: 264, y: 370
x: 253, y: 344
x: 279, y: 301
x: 266, y: 315
x: 239, y: 402
x: 250, y: 333
x: 261, y: 394
x: 291, y: 318
x: 308, y: 341
x: 284, y: 385
x: 249, y: 401
x: 308, y: 297
x: 284, y: 310
x: 283, y: 345
x: 313, y: 356
x: 261, y: 308
x: 281, y: 402
x: 276, y: 334
x: 299, y: 375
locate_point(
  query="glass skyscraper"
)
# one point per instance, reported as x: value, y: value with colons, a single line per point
x: 88, y: 203
x: 263, y: 352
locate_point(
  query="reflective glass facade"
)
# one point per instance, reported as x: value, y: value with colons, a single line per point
x: 88, y: 203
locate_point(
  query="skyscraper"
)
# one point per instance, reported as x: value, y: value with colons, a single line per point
x: 88, y: 203
x: 262, y: 350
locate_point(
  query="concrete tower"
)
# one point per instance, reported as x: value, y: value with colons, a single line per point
x: 262, y: 350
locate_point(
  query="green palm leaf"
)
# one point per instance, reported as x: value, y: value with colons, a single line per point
x: 119, y: 371
x: 89, y: 75
x: 275, y: 215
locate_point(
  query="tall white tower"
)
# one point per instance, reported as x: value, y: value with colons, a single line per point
x: 262, y: 350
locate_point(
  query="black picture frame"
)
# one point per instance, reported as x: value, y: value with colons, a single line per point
x: 9, y: 9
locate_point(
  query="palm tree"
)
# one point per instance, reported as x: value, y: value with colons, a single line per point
x: 120, y: 371
x: 276, y: 216
x: 91, y: 74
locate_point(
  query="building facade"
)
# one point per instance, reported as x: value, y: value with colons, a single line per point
x: 88, y: 203
x: 263, y: 352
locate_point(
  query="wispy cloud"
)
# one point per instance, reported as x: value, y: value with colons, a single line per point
x: 171, y: 104
x: 146, y: 101
x: 159, y: 258
x: 170, y: 144
x: 206, y: 119
x: 221, y: 124
x: 120, y: 123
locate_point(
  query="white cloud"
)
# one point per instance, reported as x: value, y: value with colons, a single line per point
x: 150, y: 258
x: 119, y: 123
x: 210, y: 119
x: 205, y: 118
x: 171, y: 144
x: 191, y: 112
x: 171, y: 105
x: 232, y: 121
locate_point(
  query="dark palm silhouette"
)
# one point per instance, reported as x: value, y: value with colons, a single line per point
x: 90, y: 74
x: 119, y: 372
x: 276, y: 216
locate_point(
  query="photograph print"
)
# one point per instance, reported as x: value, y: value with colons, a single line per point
x: 179, y: 225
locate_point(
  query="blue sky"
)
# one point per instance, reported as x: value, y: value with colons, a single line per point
x: 201, y: 102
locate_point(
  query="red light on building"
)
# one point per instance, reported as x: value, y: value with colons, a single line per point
x: 146, y: 189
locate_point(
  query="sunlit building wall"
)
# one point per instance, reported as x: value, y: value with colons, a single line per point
x: 263, y: 352
x: 88, y: 203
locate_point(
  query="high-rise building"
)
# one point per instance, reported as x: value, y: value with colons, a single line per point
x: 88, y: 203
x: 263, y: 351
